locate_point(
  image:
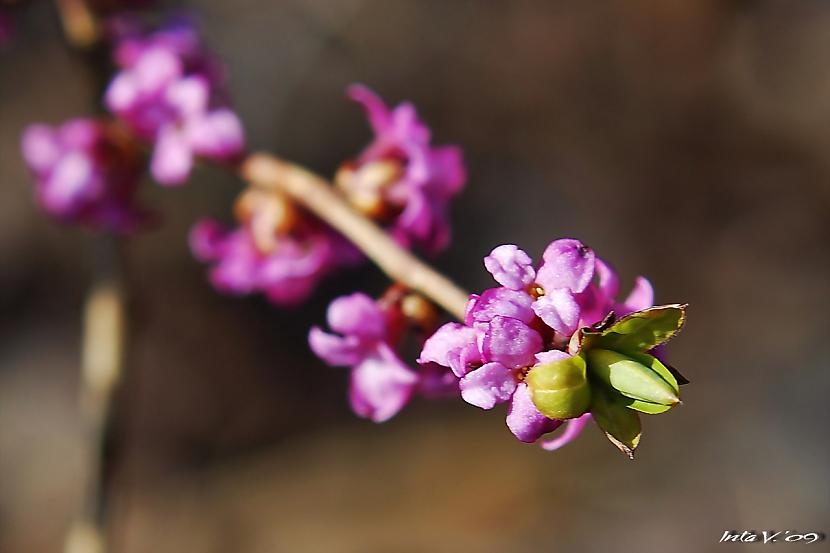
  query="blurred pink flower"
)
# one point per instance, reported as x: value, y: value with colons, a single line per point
x: 84, y: 175
x: 171, y: 92
x: 399, y: 178
x: 381, y: 383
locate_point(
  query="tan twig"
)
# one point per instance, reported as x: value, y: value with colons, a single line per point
x: 318, y: 196
x: 79, y: 23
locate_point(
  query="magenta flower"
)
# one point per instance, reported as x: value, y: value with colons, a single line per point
x: 528, y: 320
x: 171, y: 93
x: 400, y: 179
x: 286, y: 274
x: 381, y: 384
x: 84, y: 175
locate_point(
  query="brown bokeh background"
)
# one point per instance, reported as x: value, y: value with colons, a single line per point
x: 687, y: 141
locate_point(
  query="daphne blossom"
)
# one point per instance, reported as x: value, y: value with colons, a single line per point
x: 400, y: 179
x: 367, y: 333
x: 274, y: 250
x: 171, y: 92
x: 84, y: 173
x: 529, y: 320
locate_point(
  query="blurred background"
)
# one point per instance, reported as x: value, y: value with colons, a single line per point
x: 686, y: 141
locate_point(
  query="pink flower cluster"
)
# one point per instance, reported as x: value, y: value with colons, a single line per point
x: 284, y: 253
x: 274, y: 251
x: 85, y: 173
x: 399, y: 178
x: 528, y: 320
x: 381, y: 383
x: 171, y: 92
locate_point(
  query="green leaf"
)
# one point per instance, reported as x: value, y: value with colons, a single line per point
x: 639, y: 331
x: 646, y: 406
x: 620, y: 424
x: 632, y: 375
x: 560, y: 390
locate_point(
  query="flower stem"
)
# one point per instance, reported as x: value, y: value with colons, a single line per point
x: 102, y: 368
x: 318, y: 196
x: 79, y: 23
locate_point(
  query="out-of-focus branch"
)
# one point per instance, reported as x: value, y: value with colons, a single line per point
x: 102, y: 366
x: 79, y: 23
x: 104, y: 327
x: 318, y: 196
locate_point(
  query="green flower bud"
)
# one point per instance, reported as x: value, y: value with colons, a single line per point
x: 631, y: 377
x: 560, y: 390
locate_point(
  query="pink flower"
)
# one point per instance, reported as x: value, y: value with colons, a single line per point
x: 169, y: 91
x: 84, y: 175
x: 400, y: 179
x: 276, y: 250
x: 381, y: 384
x: 526, y: 321
x: 287, y: 274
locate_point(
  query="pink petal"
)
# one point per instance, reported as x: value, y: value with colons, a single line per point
x: 559, y: 310
x: 511, y: 343
x: 376, y: 111
x: 449, y: 347
x: 357, y: 314
x: 206, y: 239
x: 609, y: 282
x: 172, y: 158
x: 381, y: 385
x: 189, y: 96
x: 41, y: 149
x: 217, y: 135
x: 488, y: 385
x: 335, y: 350
x: 447, y: 171
x: 550, y: 356
x: 567, y: 263
x: 524, y: 420
x: 500, y: 301
x: 510, y: 267
x: 573, y: 427
x: 641, y: 296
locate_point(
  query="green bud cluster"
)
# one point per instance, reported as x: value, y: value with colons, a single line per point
x: 612, y: 377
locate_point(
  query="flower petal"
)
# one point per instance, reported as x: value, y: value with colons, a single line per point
x: 573, y: 428
x: 510, y: 267
x: 524, y: 420
x: 357, y: 314
x: 641, y: 296
x: 381, y: 385
x: 550, y: 356
x: 488, y: 385
x: 452, y: 346
x: 376, y: 111
x: 335, y: 350
x: 609, y: 282
x: 206, y: 240
x: 510, y: 342
x: 560, y: 311
x: 172, y: 157
x: 500, y: 301
x: 567, y: 263
x: 216, y: 135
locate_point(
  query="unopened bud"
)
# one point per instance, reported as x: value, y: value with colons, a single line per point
x: 364, y: 186
x: 419, y: 310
x: 268, y: 215
x: 630, y: 377
x: 560, y: 389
